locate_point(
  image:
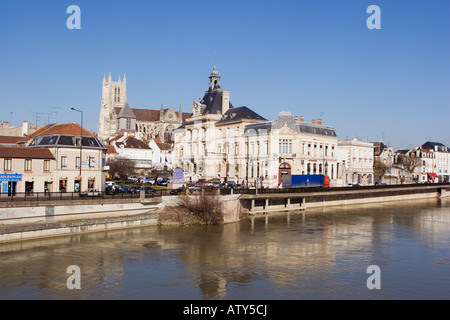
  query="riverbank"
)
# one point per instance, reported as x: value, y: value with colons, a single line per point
x: 37, y: 220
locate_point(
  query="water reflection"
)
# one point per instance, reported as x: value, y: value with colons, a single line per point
x: 320, y: 254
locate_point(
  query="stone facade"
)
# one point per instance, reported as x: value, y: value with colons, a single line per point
x: 116, y: 116
x: 236, y: 144
x: 355, y: 162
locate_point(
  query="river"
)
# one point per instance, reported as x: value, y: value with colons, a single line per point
x: 316, y: 254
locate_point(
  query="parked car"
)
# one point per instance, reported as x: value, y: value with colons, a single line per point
x: 194, y: 187
x: 177, y: 191
x: 149, y: 190
x: 91, y: 193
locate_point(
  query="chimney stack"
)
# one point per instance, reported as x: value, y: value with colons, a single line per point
x: 313, y: 121
x: 302, y: 118
x: 319, y: 122
x: 296, y: 118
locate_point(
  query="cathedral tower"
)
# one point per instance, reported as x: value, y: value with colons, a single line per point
x: 114, y: 94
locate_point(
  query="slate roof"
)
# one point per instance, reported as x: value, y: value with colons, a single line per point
x: 286, y: 118
x: 25, y: 153
x: 126, y: 112
x: 149, y: 115
x: 213, y: 102
x: 239, y: 114
x: 432, y: 145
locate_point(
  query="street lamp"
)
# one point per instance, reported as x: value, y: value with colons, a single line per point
x: 81, y: 145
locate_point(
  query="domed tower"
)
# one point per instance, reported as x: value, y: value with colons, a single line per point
x: 214, y: 79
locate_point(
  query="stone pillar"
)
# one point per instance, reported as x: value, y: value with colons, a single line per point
x: 267, y: 204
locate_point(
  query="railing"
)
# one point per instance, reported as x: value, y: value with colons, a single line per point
x: 60, y: 196
x: 322, y: 189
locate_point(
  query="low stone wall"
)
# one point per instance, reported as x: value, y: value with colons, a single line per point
x: 51, y: 229
x: 32, y: 212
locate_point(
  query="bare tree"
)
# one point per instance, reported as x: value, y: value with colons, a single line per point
x: 121, y: 166
x: 408, y: 162
x: 380, y: 168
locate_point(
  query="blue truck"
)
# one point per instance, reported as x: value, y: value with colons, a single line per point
x: 305, y: 181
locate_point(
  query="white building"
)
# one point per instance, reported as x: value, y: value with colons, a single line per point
x: 442, y: 159
x: 355, y: 159
x: 236, y: 144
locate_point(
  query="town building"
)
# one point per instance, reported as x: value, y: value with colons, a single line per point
x: 201, y: 146
x: 117, y: 117
x: 289, y: 146
x: 76, y: 165
x: 355, y: 158
x: 26, y: 169
x: 236, y: 144
x: 385, y: 169
x: 442, y: 159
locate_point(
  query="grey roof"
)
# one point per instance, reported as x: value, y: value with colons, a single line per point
x: 239, y: 114
x: 285, y: 118
x: 437, y: 146
x: 213, y: 102
x: 126, y: 112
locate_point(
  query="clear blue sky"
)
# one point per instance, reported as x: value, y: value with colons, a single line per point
x: 314, y: 58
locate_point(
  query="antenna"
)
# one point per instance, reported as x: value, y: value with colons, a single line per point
x: 37, y: 116
x: 52, y: 114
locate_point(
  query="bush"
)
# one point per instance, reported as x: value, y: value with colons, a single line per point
x: 206, y: 206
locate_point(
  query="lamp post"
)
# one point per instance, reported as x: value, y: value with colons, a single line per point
x: 81, y: 145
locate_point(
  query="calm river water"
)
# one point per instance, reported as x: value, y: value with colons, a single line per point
x: 319, y: 254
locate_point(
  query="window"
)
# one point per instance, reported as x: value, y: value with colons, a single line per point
x: 77, y: 163
x: 7, y: 165
x: 46, y: 165
x: 91, y: 162
x: 28, y: 166
x: 63, y: 162
x: 128, y: 125
x: 285, y: 146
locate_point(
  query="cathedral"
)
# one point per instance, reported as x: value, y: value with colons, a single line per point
x: 118, y: 118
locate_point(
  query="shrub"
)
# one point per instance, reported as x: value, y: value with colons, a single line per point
x: 206, y: 206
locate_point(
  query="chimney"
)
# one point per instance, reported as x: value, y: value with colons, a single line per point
x: 225, y: 101
x: 313, y: 121
x: 24, y: 128
x: 302, y: 119
x: 296, y: 118
x: 319, y: 122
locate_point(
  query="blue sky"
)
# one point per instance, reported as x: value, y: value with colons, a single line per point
x: 314, y: 58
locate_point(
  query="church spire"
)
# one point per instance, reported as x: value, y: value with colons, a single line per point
x: 109, y: 77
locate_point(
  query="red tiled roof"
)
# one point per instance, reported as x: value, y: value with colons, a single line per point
x: 25, y: 153
x: 110, y: 149
x: 9, y: 139
x: 132, y: 142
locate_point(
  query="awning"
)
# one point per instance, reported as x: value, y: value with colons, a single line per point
x: 432, y: 175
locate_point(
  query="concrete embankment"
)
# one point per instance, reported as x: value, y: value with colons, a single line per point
x: 36, y: 219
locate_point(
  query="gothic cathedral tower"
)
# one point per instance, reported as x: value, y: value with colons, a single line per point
x: 114, y: 94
